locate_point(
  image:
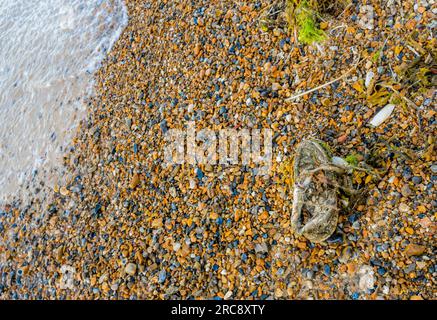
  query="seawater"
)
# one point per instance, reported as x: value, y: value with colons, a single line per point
x: 49, y: 50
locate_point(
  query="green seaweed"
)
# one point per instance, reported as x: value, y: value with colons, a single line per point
x: 376, y: 56
x: 352, y: 160
x: 308, y: 30
x: 301, y: 14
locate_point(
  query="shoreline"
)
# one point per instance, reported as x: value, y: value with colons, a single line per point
x: 126, y: 227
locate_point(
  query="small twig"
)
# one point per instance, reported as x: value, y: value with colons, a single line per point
x: 325, y: 84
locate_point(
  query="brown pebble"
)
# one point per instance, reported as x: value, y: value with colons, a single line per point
x: 342, y: 138
x: 135, y: 181
x: 414, y: 250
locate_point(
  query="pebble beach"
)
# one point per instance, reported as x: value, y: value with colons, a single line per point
x: 124, y: 226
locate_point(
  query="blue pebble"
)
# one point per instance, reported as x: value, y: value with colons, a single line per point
x: 355, y: 296
x: 162, y: 276
x: 199, y: 174
x: 327, y: 269
x: 381, y: 271
x: 417, y: 179
x: 215, y: 267
x: 219, y: 221
x: 352, y: 218
x: 244, y: 257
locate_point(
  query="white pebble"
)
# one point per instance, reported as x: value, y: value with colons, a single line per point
x: 369, y: 78
x: 382, y: 115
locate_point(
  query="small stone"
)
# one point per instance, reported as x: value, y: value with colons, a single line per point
x: 199, y: 174
x: 213, y: 215
x: 342, y: 138
x: 366, y: 280
x: 421, y: 9
x: 228, y: 295
x: 135, y: 181
x: 261, y: 248
x: 404, y: 208
x: 276, y: 86
x: 176, y: 246
x: 192, y: 184
x: 369, y: 77
x: 197, y: 49
x: 345, y: 255
x: 131, y: 269
x: 417, y: 180
x: 172, y: 192
x: 406, y: 191
x: 162, y: 276
x: 409, y: 230
x: 414, y: 250
x: 63, y: 191
x: 425, y: 222
x: 157, y: 223
x: 288, y: 117
x: 410, y: 268
x: 327, y: 269
x: 278, y: 293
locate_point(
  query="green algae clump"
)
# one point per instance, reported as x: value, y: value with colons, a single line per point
x: 302, y: 14
x: 306, y: 22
